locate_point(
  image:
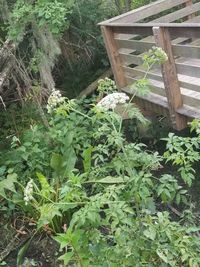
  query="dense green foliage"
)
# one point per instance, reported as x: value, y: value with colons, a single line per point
x: 97, y: 193
x: 37, y: 27
x: 70, y: 168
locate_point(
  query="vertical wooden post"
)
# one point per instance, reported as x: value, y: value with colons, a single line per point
x: 172, y: 87
x: 189, y: 3
x: 114, y: 56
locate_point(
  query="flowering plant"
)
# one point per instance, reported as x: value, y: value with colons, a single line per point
x: 104, y: 190
x: 112, y: 100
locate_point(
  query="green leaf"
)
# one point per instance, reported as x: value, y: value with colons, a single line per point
x: 150, y: 233
x: 2, y: 170
x: 66, y: 257
x: 66, y: 206
x: 3, y: 263
x: 111, y: 180
x: 47, y: 213
x: 22, y: 252
x: 87, y: 158
x: 56, y: 162
x: 8, y: 184
x: 62, y: 239
x: 46, y: 188
x: 69, y: 160
x: 192, y: 229
x: 162, y: 255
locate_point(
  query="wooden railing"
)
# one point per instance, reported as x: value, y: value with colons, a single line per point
x: 177, y: 84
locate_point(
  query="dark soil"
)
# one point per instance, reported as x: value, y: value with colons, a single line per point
x: 42, y: 251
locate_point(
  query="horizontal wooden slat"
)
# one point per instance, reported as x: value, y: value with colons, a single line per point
x: 178, y: 14
x: 145, y: 11
x: 151, y: 97
x: 131, y: 59
x: 190, y: 83
x: 128, y: 58
x: 188, y: 67
x: 185, y: 81
x: 191, y: 98
x: 190, y: 51
x: 155, y: 86
x: 138, y: 72
x: 193, y: 20
x: 186, y: 110
x: 190, y: 70
x: 189, y: 30
x: 193, y: 113
x: 140, y: 46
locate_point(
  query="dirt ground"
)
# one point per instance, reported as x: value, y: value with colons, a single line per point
x: 42, y: 250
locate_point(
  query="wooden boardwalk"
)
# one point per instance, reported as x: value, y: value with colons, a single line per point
x: 173, y: 25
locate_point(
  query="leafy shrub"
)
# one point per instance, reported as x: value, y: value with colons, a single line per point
x: 99, y: 194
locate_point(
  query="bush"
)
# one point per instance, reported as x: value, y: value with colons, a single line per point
x: 98, y: 194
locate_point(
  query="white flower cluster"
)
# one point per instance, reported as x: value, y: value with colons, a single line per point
x: 160, y: 53
x: 54, y: 100
x: 110, y: 101
x: 28, y: 192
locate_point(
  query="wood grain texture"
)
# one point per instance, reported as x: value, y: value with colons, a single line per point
x: 144, y: 11
x: 187, y: 50
x: 172, y: 87
x: 114, y: 56
x: 190, y: 3
x: 181, y: 13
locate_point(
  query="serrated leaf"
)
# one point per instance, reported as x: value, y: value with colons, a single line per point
x: 46, y: 188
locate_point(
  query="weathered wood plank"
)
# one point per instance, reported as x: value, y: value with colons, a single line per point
x: 114, y: 56
x: 170, y: 78
x: 178, y: 14
x: 151, y: 97
x: 187, y: 69
x: 193, y: 113
x: 186, y: 82
x: 139, y: 72
x: 195, y: 19
x: 189, y: 30
x: 156, y: 87
x: 145, y: 11
x: 129, y: 58
x: 140, y: 46
x: 190, y: 98
x: 190, y: 51
x: 190, y: 3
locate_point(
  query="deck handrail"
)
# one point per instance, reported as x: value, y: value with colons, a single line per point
x: 150, y: 24
x: 150, y: 9
x: 125, y: 42
x: 174, y: 29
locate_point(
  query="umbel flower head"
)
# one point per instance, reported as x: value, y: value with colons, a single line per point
x: 156, y: 55
x: 54, y: 100
x: 110, y: 101
x: 28, y: 192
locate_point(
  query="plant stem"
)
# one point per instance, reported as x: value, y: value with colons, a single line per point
x: 77, y: 255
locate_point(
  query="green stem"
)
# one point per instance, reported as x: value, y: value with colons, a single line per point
x: 78, y: 256
x: 133, y: 96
